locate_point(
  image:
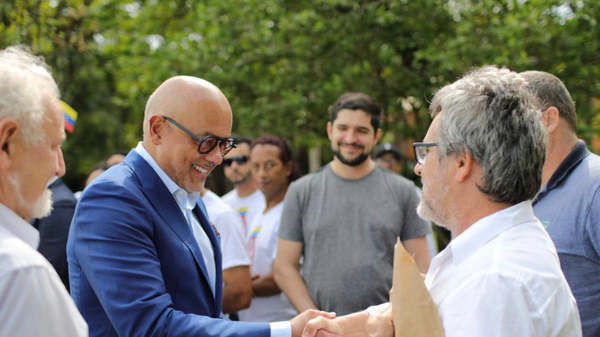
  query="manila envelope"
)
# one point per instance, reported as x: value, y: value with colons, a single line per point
x: 414, y: 313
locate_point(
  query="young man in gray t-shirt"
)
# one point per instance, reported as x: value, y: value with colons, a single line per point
x: 344, y: 220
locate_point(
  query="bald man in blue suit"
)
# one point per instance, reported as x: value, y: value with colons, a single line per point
x: 143, y: 258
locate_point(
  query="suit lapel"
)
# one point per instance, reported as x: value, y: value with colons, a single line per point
x: 166, y: 206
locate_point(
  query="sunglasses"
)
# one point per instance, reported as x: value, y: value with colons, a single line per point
x: 240, y: 160
x: 208, y: 143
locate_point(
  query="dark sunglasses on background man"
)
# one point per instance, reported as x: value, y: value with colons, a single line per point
x: 240, y: 160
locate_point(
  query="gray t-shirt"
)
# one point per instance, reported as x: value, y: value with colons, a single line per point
x: 348, y: 228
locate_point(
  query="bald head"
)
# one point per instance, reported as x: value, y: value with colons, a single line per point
x: 196, y: 110
x: 180, y: 94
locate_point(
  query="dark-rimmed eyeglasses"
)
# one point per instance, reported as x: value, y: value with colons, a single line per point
x: 208, y: 143
x: 240, y: 160
x: 421, y: 151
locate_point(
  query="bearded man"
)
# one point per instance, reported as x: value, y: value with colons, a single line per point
x: 33, y: 300
x: 345, y: 218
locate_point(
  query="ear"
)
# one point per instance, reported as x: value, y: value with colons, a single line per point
x: 329, y: 126
x: 551, y: 119
x: 157, y: 129
x: 464, y: 164
x: 289, y: 166
x: 377, y: 135
x: 9, y: 131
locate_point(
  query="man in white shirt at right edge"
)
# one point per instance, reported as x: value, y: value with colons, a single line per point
x: 33, y: 299
x: 481, y: 164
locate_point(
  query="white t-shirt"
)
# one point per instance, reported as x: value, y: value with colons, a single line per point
x: 502, y: 278
x: 247, y: 207
x: 33, y: 300
x: 230, y: 226
x: 261, y: 243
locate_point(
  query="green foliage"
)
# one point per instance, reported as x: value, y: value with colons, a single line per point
x: 283, y: 63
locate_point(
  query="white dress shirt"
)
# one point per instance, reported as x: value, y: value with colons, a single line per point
x: 186, y: 201
x: 33, y: 300
x: 502, y: 278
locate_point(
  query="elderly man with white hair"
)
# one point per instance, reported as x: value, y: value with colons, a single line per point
x: 33, y: 300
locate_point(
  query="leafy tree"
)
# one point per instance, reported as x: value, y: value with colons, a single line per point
x: 283, y: 63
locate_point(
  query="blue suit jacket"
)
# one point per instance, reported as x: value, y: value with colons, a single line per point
x: 134, y: 264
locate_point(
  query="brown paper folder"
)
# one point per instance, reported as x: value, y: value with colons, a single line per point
x: 413, y: 310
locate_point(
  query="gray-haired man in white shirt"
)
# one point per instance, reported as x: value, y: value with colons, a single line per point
x: 33, y: 300
x: 481, y: 164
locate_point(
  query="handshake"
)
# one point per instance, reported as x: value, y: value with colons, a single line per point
x: 375, y: 322
x: 415, y: 313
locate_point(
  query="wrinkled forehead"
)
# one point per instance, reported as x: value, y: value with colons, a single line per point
x: 205, y: 117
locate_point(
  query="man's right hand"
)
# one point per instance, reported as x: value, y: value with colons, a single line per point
x: 322, y: 327
x: 380, y: 322
x: 300, y: 321
x: 377, y: 322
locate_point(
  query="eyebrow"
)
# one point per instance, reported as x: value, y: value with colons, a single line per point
x: 361, y: 128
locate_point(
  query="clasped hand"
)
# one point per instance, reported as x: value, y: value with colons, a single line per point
x: 376, y: 324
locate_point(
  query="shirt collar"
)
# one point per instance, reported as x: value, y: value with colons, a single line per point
x: 484, y: 230
x: 578, y: 153
x: 55, y: 178
x: 183, y: 198
x: 19, y: 227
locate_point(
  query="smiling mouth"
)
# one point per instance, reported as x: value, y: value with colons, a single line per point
x: 200, y: 169
x: 353, y: 145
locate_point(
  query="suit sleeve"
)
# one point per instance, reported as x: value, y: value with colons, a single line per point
x: 113, y: 235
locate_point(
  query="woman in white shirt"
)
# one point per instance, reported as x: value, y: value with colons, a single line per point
x: 273, y: 170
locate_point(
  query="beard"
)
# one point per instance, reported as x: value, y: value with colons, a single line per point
x: 181, y: 176
x: 41, y: 207
x: 243, y: 179
x: 430, y: 208
x: 350, y: 162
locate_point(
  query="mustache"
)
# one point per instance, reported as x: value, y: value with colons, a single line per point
x: 352, y: 144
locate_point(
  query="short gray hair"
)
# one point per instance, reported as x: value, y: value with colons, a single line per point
x: 25, y: 82
x: 490, y: 114
x: 551, y: 91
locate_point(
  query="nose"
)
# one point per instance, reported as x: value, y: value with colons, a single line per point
x: 418, y: 169
x: 215, y: 156
x: 60, y: 169
x: 350, y: 136
x: 259, y: 172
